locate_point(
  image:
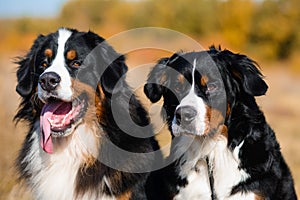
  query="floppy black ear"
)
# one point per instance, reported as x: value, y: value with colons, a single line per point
x: 25, y: 71
x: 154, y: 88
x: 113, y: 67
x: 248, y: 75
x: 103, y: 65
x: 114, y: 74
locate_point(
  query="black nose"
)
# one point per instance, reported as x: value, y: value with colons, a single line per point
x: 49, y: 81
x: 185, y: 114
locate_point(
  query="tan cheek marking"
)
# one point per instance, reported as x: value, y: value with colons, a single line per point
x: 259, y: 197
x: 125, y: 196
x: 48, y: 53
x: 99, y: 105
x: 71, y: 55
x: 203, y: 80
x: 95, y: 106
x: 213, y: 119
x: 223, y: 130
x: 207, y: 120
x: 221, y: 134
x: 102, y: 95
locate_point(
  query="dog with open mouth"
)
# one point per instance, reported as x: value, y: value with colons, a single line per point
x: 69, y: 82
x: 222, y: 145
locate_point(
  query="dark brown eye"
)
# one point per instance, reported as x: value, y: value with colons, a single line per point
x: 44, y: 64
x: 211, y: 87
x: 178, y: 87
x: 75, y: 64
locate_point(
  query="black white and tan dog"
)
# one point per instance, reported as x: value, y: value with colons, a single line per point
x: 66, y: 82
x: 232, y: 153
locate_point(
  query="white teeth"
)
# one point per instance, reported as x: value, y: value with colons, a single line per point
x: 70, y: 116
x: 49, y: 120
x: 54, y: 125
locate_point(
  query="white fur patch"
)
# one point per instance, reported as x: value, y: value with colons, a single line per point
x: 224, y: 165
x: 64, y: 90
x: 198, y: 184
x: 194, y: 158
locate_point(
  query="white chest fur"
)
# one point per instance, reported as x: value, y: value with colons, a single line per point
x: 54, y: 175
x: 198, y: 184
x: 223, y: 164
x: 194, y: 168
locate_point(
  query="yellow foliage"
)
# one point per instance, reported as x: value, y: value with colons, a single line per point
x: 270, y: 28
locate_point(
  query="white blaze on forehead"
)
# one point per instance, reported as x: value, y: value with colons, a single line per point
x: 64, y: 90
x: 193, y: 75
x: 63, y: 36
x: 192, y: 91
x: 197, y: 103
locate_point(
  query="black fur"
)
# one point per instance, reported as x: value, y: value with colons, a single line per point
x: 260, y: 154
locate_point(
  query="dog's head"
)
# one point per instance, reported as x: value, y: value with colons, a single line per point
x: 200, y: 89
x: 64, y: 74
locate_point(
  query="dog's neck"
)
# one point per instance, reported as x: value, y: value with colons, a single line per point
x: 195, y: 148
x: 221, y: 162
x: 198, y: 149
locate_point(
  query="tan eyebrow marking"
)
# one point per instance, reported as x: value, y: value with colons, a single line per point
x: 203, y: 80
x: 71, y: 55
x: 180, y: 78
x: 48, y: 53
x: 163, y: 79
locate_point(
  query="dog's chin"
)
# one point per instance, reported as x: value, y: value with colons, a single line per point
x: 178, y: 130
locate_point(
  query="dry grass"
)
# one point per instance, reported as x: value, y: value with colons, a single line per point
x: 11, y: 136
x: 281, y: 106
x: 282, y: 109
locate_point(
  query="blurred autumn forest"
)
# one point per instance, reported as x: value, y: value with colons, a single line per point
x: 266, y: 30
x: 269, y: 29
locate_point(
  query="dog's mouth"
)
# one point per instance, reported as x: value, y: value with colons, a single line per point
x: 59, y: 118
x: 178, y: 131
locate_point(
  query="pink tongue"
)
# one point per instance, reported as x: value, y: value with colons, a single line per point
x: 50, y: 112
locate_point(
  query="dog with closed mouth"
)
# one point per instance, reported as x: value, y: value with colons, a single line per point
x: 231, y: 153
x: 67, y: 82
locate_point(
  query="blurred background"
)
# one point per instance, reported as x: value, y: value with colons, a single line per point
x: 266, y: 30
